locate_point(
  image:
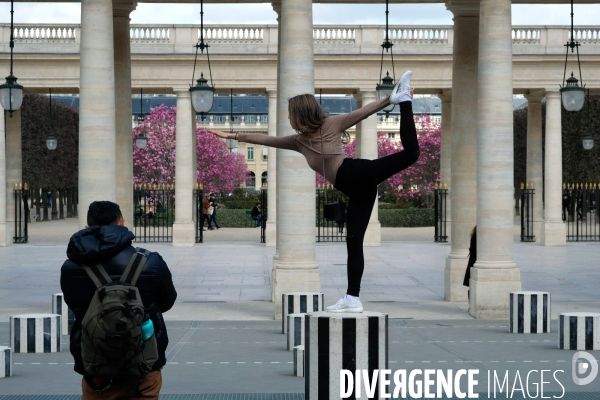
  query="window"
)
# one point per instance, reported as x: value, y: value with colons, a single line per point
x: 265, y: 153
x: 250, y: 153
x: 250, y: 118
x: 219, y: 118
x: 391, y: 135
x: 263, y: 178
x: 236, y: 118
x: 252, y: 179
x: 264, y: 118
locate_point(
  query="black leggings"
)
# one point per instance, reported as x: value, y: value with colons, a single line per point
x: 358, y: 179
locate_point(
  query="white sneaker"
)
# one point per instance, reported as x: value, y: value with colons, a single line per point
x: 343, y: 306
x: 401, y: 90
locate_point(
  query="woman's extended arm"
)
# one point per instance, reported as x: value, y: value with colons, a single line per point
x: 345, y: 121
x: 285, y: 142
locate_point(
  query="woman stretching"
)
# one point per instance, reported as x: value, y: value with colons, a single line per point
x: 319, y: 140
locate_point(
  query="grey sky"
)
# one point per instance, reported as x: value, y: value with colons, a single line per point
x: 261, y: 13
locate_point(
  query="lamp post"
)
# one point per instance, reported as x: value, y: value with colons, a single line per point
x: 141, y: 141
x: 11, y: 93
x: 386, y: 84
x: 202, y: 94
x: 572, y: 94
x: 51, y: 141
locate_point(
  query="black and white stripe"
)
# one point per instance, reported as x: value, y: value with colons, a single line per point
x: 35, y: 333
x: 299, y: 361
x: 295, y: 333
x: 5, y: 362
x: 299, y: 303
x: 529, y: 312
x: 336, y: 341
x: 67, y: 316
x: 579, y: 331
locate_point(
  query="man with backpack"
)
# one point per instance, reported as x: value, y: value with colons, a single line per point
x: 118, y: 294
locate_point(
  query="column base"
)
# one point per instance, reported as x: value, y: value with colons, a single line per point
x: 537, y: 230
x: 293, y: 278
x: 4, y: 236
x: 184, y: 234
x: 490, y: 290
x: 271, y: 234
x: 373, y: 235
x: 553, y: 234
x: 454, y: 275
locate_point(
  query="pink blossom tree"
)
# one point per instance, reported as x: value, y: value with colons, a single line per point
x: 217, y: 168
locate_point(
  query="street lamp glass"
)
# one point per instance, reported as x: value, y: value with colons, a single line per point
x: 51, y: 142
x: 11, y: 94
x: 202, y: 96
x: 141, y: 141
x: 588, y: 142
x: 384, y: 89
x: 573, y: 98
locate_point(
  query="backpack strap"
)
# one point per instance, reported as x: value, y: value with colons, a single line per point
x: 97, y: 274
x: 135, y: 266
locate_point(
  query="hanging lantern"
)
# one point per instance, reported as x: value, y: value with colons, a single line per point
x: 11, y: 93
x: 203, y: 93
x: 572, y: 94
x: 387, y: 83
x: 588, y: 142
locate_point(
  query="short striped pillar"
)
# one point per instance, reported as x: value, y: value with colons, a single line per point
x: 579, y: 331
x: 5, y: 362
x: 67, y: 317
x: 299, y: 302
x: 295, y: 333
x: 35, y: 333
x: 299, y: 361
x: 529, y: 312
x: 342, y: 341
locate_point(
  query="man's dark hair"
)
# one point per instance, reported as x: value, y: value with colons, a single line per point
x: 103, y: 213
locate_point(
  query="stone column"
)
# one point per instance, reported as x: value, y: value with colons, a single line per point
x: 446, y: 151
x: 463, y: 145
x: 14, y: 169
x: 271, y: 231
x: 534, y: 158
x: 4, y: 189
x: 183, y: 227
x: 368, y: 150
x: 97, y: 155
x: 553, y: 229
x: 296, y: 270
x: 495, y: 274
x: 124, y: 135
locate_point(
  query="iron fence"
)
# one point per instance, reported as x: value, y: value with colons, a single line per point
x: 21, y: 194
x: 440, y: 205
x: 154, y: 212
x: 197, y: 202
x: 331, y: 229
x: 581, y: 212
x: 527, y: 193
x: 264, y: 209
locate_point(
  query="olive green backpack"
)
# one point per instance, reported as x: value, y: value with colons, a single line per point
x: 111, y: 341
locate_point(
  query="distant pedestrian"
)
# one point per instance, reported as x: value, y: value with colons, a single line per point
x: 256, y: 214
x: 213, y: 217
x: 342, y: 219
x: 205, y: 212
x: 472, y: 258
x: 579, y: 204
x: 566, y: 202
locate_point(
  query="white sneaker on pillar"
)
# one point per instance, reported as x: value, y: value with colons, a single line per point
x: 401, y: 91
x: 344, y: 306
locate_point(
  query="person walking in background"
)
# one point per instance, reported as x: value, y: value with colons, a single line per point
x: 205, y: 214
x: 472, y: 258
x: 212, y: 217
x: 319, y: 140
x: 256, y: 214
x: 579, y: 205
x: 341, y: 221
x: 566, y: 202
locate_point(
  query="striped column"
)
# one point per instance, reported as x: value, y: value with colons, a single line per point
x: 336, y: 341
x: 299, y: 302
x: 35, y: 333
x: 295, y: 332
x: 67, y: 316
x: 6, y: 362
x: 529, y: 312
x: 299, y: 361
x: 579, y: 331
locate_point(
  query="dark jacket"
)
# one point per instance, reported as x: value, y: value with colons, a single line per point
x: 472, y: 258
x: 110, y: 245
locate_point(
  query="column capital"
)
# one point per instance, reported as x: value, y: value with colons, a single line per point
x: 553, y: 94
x: 271, y: 92
x: 446, y: 95
x: 463, y: 8
x: 182, y: 91
x: 122, y: 8
x: 535, y: 96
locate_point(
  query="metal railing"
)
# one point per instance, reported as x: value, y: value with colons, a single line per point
x: 581, y: 212
x: 329, y: 230
x: 527, y: 193
x: 21, y: 195
x: 264, y: 210
x: 440, y: 205
x: 154, y: 212
x: 197, y: 202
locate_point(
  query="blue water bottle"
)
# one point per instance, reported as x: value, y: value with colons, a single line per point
x: 147, y: 329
